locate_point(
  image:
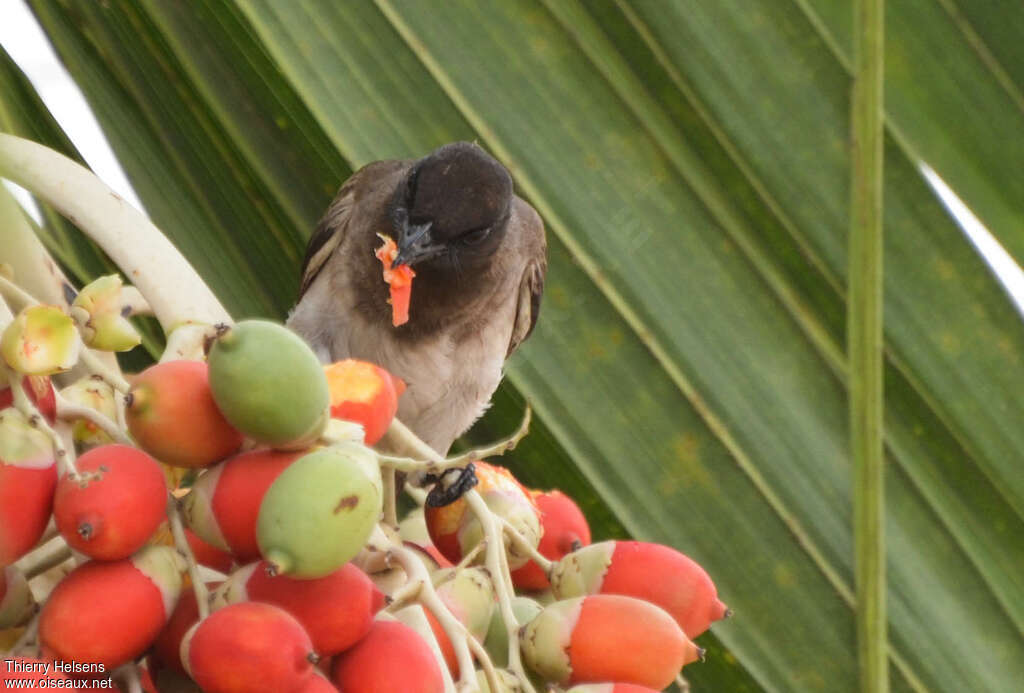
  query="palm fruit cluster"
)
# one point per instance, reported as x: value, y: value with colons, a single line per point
x: 230, y: 528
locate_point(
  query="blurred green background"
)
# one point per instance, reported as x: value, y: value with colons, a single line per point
x: 690, y: 160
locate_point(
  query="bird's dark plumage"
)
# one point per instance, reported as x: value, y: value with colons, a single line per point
x: 479, y: 255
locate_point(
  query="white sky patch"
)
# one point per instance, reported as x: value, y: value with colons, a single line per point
x: 24, y: 40
x: 1007, y: 271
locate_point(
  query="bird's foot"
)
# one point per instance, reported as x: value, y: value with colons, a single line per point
x: 450, y: 485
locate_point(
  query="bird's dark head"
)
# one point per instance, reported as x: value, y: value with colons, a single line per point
x: 451, y: 210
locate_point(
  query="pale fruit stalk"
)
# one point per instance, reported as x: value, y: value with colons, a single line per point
x: 174, y: 290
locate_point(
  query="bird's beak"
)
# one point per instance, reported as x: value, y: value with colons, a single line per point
x: 416, y: 244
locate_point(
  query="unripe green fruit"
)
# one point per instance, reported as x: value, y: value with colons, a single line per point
x: 320, y: 511
x: 269, y: 384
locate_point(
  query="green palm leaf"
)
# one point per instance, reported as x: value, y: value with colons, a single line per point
x: 691, y: 164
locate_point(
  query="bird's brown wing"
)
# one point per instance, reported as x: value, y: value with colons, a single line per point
x: 531, y: 285
x: 331, y: 230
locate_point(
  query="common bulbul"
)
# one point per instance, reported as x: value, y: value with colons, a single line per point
x: 479, y: 256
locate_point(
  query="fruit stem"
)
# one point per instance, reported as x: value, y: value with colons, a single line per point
x: 682, y: 684
x: 181, y: 543
x: 387, y: 475
x: 28, y: 639
x: 69, y: 411
x: 457, y: 633
x: 526, y: 547
x: 172, y: 287
x: 434, y: 463
x: 134, y: 302
x: 130, y: 674
x: 65, y: 455
x: 497, y: 564
x: 42, y: 558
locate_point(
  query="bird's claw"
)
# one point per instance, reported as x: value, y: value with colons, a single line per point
x: 446, y: 492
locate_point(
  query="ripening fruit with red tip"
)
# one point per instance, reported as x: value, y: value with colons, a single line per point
x: 610, y: 688
x: 172, y: 416
x: 225, y: 501
x: 582, y: 640
x: 336, y: 610
x: 455, y: 530
x: 40, y: 390
x: 19, y: 671
x: 115, y: 502
x: 109, y: 612
x: 207, y: 554
x: 363, y: 393
x: 28, y: 477
x: 16, y: 601
x: 248, y: 647
x: 563, y: 529
x: 392, y: 657
x: 652, y: 572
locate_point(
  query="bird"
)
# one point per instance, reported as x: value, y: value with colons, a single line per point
x: 479, y: 254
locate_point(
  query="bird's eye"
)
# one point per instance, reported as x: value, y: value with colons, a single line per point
x: 475, y: 237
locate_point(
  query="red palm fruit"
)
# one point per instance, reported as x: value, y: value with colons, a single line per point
x: 28, y: 477
x: 172, y: 416
x: 225, y: 501
x: 40, y: 390
x: 109, y: 612
x: 167, y: 646
x: 336, y: 610
x: 392, y: 657
x: 455, y: 530
x: 317, y: 683
x: 652, y: 572
x: 16, y: 600
x: 364, y: 393
x: 248, y: 647
x: 25, y: 669
x: 207, y: 554
x: 563, y: 529
x: 582, y: 641
x: 114, y: 504
x: 610, y: 688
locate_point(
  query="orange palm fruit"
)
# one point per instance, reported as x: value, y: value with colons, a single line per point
x: 172, y: 416
x: 606, y: 637
x: 652, y: 572
x: 363, y: 393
